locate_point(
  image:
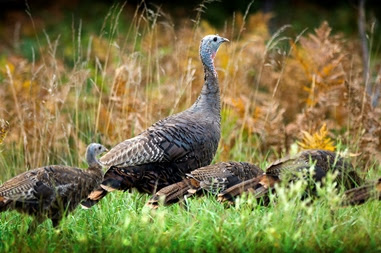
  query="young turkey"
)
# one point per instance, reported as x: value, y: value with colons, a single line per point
x: 287, y: 169
x: 359, y: 195
x: 213, y: 178
x: 54, y: 190
x: 173, y: 146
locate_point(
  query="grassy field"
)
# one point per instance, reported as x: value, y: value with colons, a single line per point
x: 121, y: 223
x: 68, y: 82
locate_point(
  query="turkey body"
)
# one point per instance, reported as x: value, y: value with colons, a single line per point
x: 288, y: 168
x: 186, y: 145
x: 213, y: 178
x: 51, y: 191
x: 173, y: 146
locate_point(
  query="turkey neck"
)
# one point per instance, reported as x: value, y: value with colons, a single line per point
x: 209, y: 98
x: 94, y: 166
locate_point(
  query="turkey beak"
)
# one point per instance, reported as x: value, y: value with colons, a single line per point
x: 225, y: 40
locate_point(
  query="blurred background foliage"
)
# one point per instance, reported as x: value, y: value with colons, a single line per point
x: 56, y: 17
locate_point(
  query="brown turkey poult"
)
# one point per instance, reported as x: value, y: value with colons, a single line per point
x: 213, y: 178
x: 52, y: 191
x: 359, y: 195
x: 288, y: 168
x: 173, y: 146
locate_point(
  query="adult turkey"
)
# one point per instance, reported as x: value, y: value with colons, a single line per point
x: 288, y: 168
x: 173, y: 146
x: 213, y: 178
x: 359, y: 195
x: 54, y: 190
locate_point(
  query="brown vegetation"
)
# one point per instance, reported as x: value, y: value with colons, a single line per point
x: 277, y: 90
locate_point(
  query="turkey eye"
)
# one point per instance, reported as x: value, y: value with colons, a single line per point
x: 215, y: 39
x: 99, y: 148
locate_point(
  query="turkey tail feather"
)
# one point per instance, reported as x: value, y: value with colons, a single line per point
x: 94, y: 197
x: 361, y: 194
x: 236, y: 190
x: 3, y: 204
x: 172, y: 193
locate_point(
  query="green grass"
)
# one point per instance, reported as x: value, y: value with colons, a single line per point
x: 120, y: 223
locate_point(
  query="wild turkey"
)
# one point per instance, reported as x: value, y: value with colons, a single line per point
x: 213, y: 178
x: 286, y: 169
x: 173, y: 146
x: 370, y: 190
x: 54, y: 190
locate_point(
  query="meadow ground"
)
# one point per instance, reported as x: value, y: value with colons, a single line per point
x: 74, y: 81
x: 121, y: 223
